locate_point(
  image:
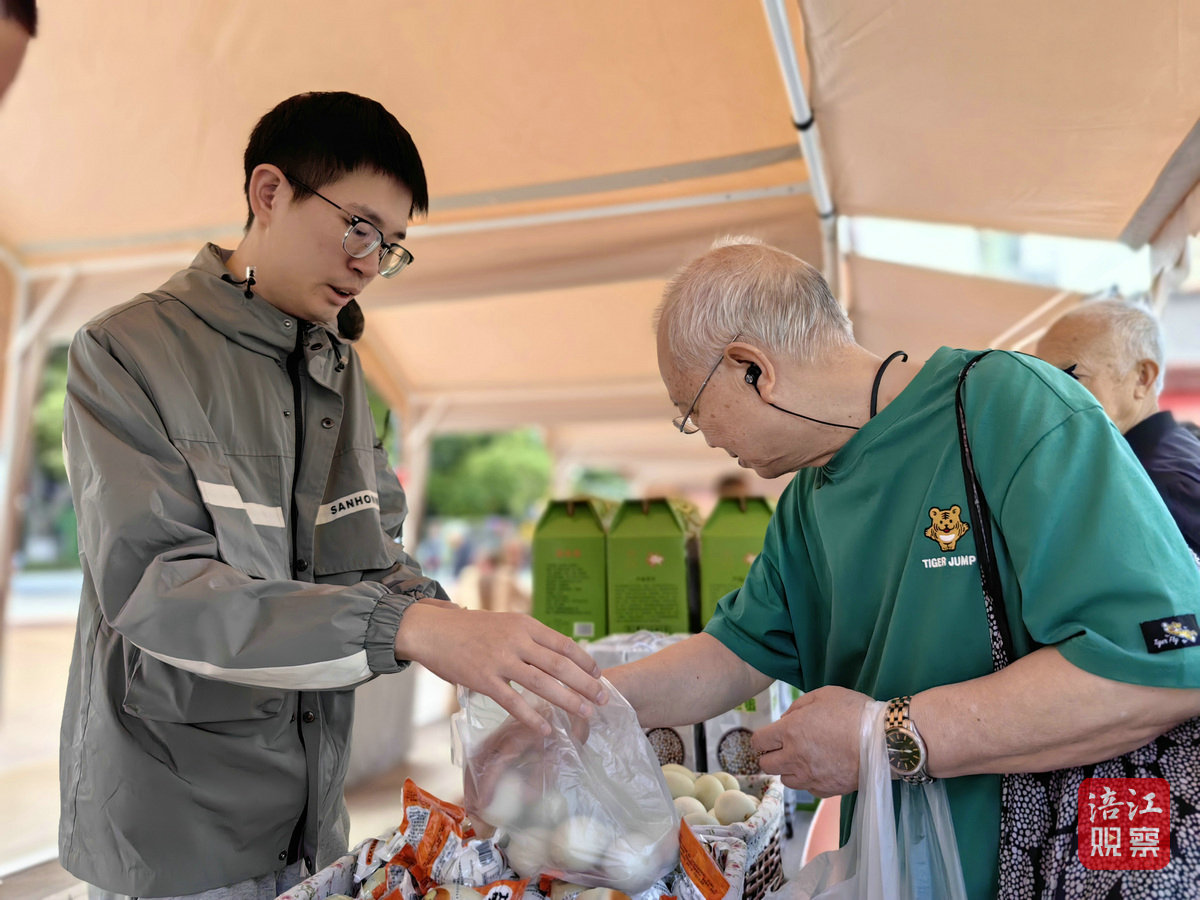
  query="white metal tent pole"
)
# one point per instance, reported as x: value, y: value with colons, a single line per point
x: 810, y: 141
x: 417, y: 440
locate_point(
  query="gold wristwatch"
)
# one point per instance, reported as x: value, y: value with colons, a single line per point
x: 905, y: 748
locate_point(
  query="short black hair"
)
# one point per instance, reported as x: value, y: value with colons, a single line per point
x: 23, y: 12
x: 319, y: 137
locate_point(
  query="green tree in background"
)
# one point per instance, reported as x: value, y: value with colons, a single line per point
x: 474, y: 475
x: 603, y: 483
x: 48, y: 532
x: 48, y: 417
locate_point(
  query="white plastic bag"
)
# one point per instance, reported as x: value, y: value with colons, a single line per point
x: 928, y: 850
x: 588, y: 804
x: 917, y: 860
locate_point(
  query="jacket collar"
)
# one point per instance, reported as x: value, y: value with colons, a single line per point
x: 251, y: 322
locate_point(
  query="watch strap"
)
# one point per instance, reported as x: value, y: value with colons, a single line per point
x: 897, y: 713
x: 896, y: 716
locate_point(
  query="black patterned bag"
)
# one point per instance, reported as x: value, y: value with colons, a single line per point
x: 1039, y: 841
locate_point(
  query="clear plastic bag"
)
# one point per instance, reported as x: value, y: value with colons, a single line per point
x: 588, y: 804
x: 916, y: 859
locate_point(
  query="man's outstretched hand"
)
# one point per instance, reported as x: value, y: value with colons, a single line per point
x: 488, y: 652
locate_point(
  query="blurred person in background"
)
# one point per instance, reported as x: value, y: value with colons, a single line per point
x: 1114, y: 348
x: 239, y: 533
x: 18, y: 23
x: 733, y: 486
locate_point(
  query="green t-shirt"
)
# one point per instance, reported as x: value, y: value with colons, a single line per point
x: 856, y: 587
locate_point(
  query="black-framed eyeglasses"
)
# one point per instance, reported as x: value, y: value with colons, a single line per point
x: 362, y: 237
x: 1070, y: 370
x: 684, y: 423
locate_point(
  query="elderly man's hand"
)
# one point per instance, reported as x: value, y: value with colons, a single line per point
x: 814, y: 746
x: 488, y: 651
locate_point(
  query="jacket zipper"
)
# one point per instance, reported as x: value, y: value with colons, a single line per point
x: 294, y: 361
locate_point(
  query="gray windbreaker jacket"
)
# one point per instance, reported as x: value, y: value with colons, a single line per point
x: 238, y: 532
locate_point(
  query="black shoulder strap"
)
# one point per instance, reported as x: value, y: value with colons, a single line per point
x: 1003, y: 651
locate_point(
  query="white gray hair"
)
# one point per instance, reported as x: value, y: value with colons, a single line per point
x: 742, y: 286
x: 1135, y: 327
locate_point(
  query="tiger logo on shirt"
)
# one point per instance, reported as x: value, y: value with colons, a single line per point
x: 947, y: 527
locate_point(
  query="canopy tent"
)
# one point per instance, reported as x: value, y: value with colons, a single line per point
x: 576, y: 155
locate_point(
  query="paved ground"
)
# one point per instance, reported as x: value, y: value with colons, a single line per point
x: 35, y: 659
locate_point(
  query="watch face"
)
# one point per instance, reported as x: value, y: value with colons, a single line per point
x: 903, y: 752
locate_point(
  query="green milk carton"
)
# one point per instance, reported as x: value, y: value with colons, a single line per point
x: 731, y: 539
x: 648, y: 567
x: 569, y: 568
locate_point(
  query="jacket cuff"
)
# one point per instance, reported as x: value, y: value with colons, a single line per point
x: 381, y: 634
x: 416, y: 585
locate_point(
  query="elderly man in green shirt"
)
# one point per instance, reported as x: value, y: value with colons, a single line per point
x: 868, y: 584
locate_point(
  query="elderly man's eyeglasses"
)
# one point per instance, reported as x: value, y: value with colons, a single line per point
x: 362, y: 237
x: 684, y: 423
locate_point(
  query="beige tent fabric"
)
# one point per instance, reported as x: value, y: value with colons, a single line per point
x: 1022, y: 115
x: 917, y: 310
x: 130, y: 117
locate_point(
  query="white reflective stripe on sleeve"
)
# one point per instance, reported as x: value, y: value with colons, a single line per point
x: 345, y: 506
x: 318, y: 676
x: 227, y: 496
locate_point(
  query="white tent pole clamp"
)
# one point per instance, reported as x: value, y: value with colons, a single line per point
x: 810, y: 140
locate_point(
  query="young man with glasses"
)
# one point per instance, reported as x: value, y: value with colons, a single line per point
x: 239, y: 537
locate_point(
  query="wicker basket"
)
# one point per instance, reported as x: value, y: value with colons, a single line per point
x: 762, y: 833
x: 752, y: 872
x: 336, y: 878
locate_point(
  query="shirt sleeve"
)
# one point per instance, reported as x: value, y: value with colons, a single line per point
x: 151, y: 557
x: 1094, y: 558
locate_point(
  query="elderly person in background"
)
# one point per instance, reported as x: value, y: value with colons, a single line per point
x: 868, y: 587
x: 1114, y: 348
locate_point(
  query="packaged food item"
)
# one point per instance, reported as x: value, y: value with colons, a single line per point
x: 711, y: 867
x: 648, y: 584
x: 727, y: 736
x: 435, y: 844
x: 569, y: 567
x: 505, y: 889
x: 730, y: 541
